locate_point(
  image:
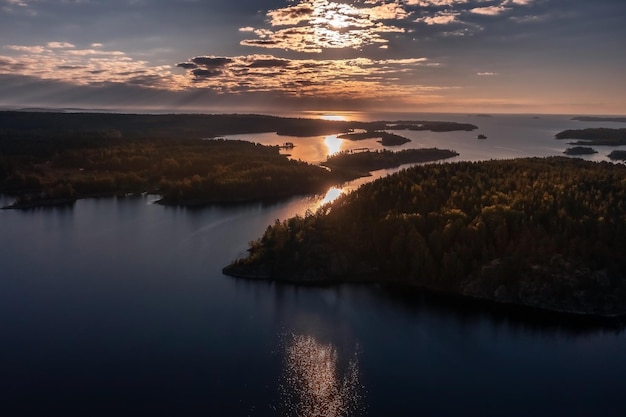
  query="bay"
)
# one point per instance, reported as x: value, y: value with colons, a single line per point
x: 117, y: 306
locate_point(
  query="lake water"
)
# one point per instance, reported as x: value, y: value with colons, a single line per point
x: 118, y: 307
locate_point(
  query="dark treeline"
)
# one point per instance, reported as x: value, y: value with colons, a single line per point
x: 182, y: 171
x: 36, y: 124
x: 548, y: 233
x: 162, y: 125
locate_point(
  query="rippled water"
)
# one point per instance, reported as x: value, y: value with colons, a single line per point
x: 118, y: 307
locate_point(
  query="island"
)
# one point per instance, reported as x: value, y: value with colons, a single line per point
x: 49, y: 159
x: 543, y: 233
x: 358, y: 164
x: 595, y: 136
x: 386, y: 138
x: 618, y: 155
x: 580, y: 150
x: 600, y: 119
x: 481, y: 137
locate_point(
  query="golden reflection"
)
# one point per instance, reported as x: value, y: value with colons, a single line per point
x: 331, y: 195
x: 313, y: 384
x: 333, y: 143
x: 336, y: 117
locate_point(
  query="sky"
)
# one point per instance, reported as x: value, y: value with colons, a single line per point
x: 477, y: 56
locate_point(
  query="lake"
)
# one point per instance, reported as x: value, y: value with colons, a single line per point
x: 117, y: 306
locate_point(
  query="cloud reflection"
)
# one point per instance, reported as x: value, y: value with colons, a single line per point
x: 315, y: 384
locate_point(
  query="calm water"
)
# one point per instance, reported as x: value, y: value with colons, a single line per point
x: 118, y: 307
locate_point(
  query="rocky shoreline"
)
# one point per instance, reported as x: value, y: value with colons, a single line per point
x: 528, y: 293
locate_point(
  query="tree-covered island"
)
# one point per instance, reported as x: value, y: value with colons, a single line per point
x: 617, y: 155
x: 548, y: 233
x: 55, y: 158
x: 595, y: 136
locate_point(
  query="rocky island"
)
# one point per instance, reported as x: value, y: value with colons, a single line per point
x: 544, y: 233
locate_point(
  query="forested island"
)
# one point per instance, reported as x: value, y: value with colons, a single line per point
x: 618, y: 155
x: 56, y: 158
x: 595, y: 136
x: 547, y: 233
x: 386, y: 138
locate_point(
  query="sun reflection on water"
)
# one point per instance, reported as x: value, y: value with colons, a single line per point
x: 315, y: 384
x: 333, y: 143
x: 335, y: 117
x: 331, y: 195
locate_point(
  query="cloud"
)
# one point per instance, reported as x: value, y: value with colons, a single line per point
x: 486, y: 74
x: 63, y: 61
x: 60, y: 45
x: 441, y: 18
x: 316, y: 25
x: 490, y: 10
x: 359, y: 78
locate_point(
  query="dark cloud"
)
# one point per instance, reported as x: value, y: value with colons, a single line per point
x: 269, y: 63
x: 187, y: 65
x: 71, y: 67
x: 211, y: 62
x: 206, y: 73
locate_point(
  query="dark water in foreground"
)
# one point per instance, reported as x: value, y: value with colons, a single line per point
x: 118, y: 307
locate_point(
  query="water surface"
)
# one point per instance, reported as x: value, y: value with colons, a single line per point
x: 118, y: 307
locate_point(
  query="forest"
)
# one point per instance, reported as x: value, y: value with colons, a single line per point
x: 49, y: 159
x: 547, y: 233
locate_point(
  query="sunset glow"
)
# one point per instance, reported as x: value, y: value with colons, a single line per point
x: 421, y: 55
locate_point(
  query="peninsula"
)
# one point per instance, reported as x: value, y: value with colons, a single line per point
x: 537, y: 232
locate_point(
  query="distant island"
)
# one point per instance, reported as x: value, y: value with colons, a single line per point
x: 580, y: 150
x: 600, y: 119
x: 595, y: 136
x: 535, y: 232
x: 386, y: 139
x: 55, y: 158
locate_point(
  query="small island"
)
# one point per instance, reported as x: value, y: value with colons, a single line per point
x: 618, y: 155
x: 541, y: 233
x: 481, y: 137
x: 600, y: 119
x: 386, y: 138
x: 580, y: 150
